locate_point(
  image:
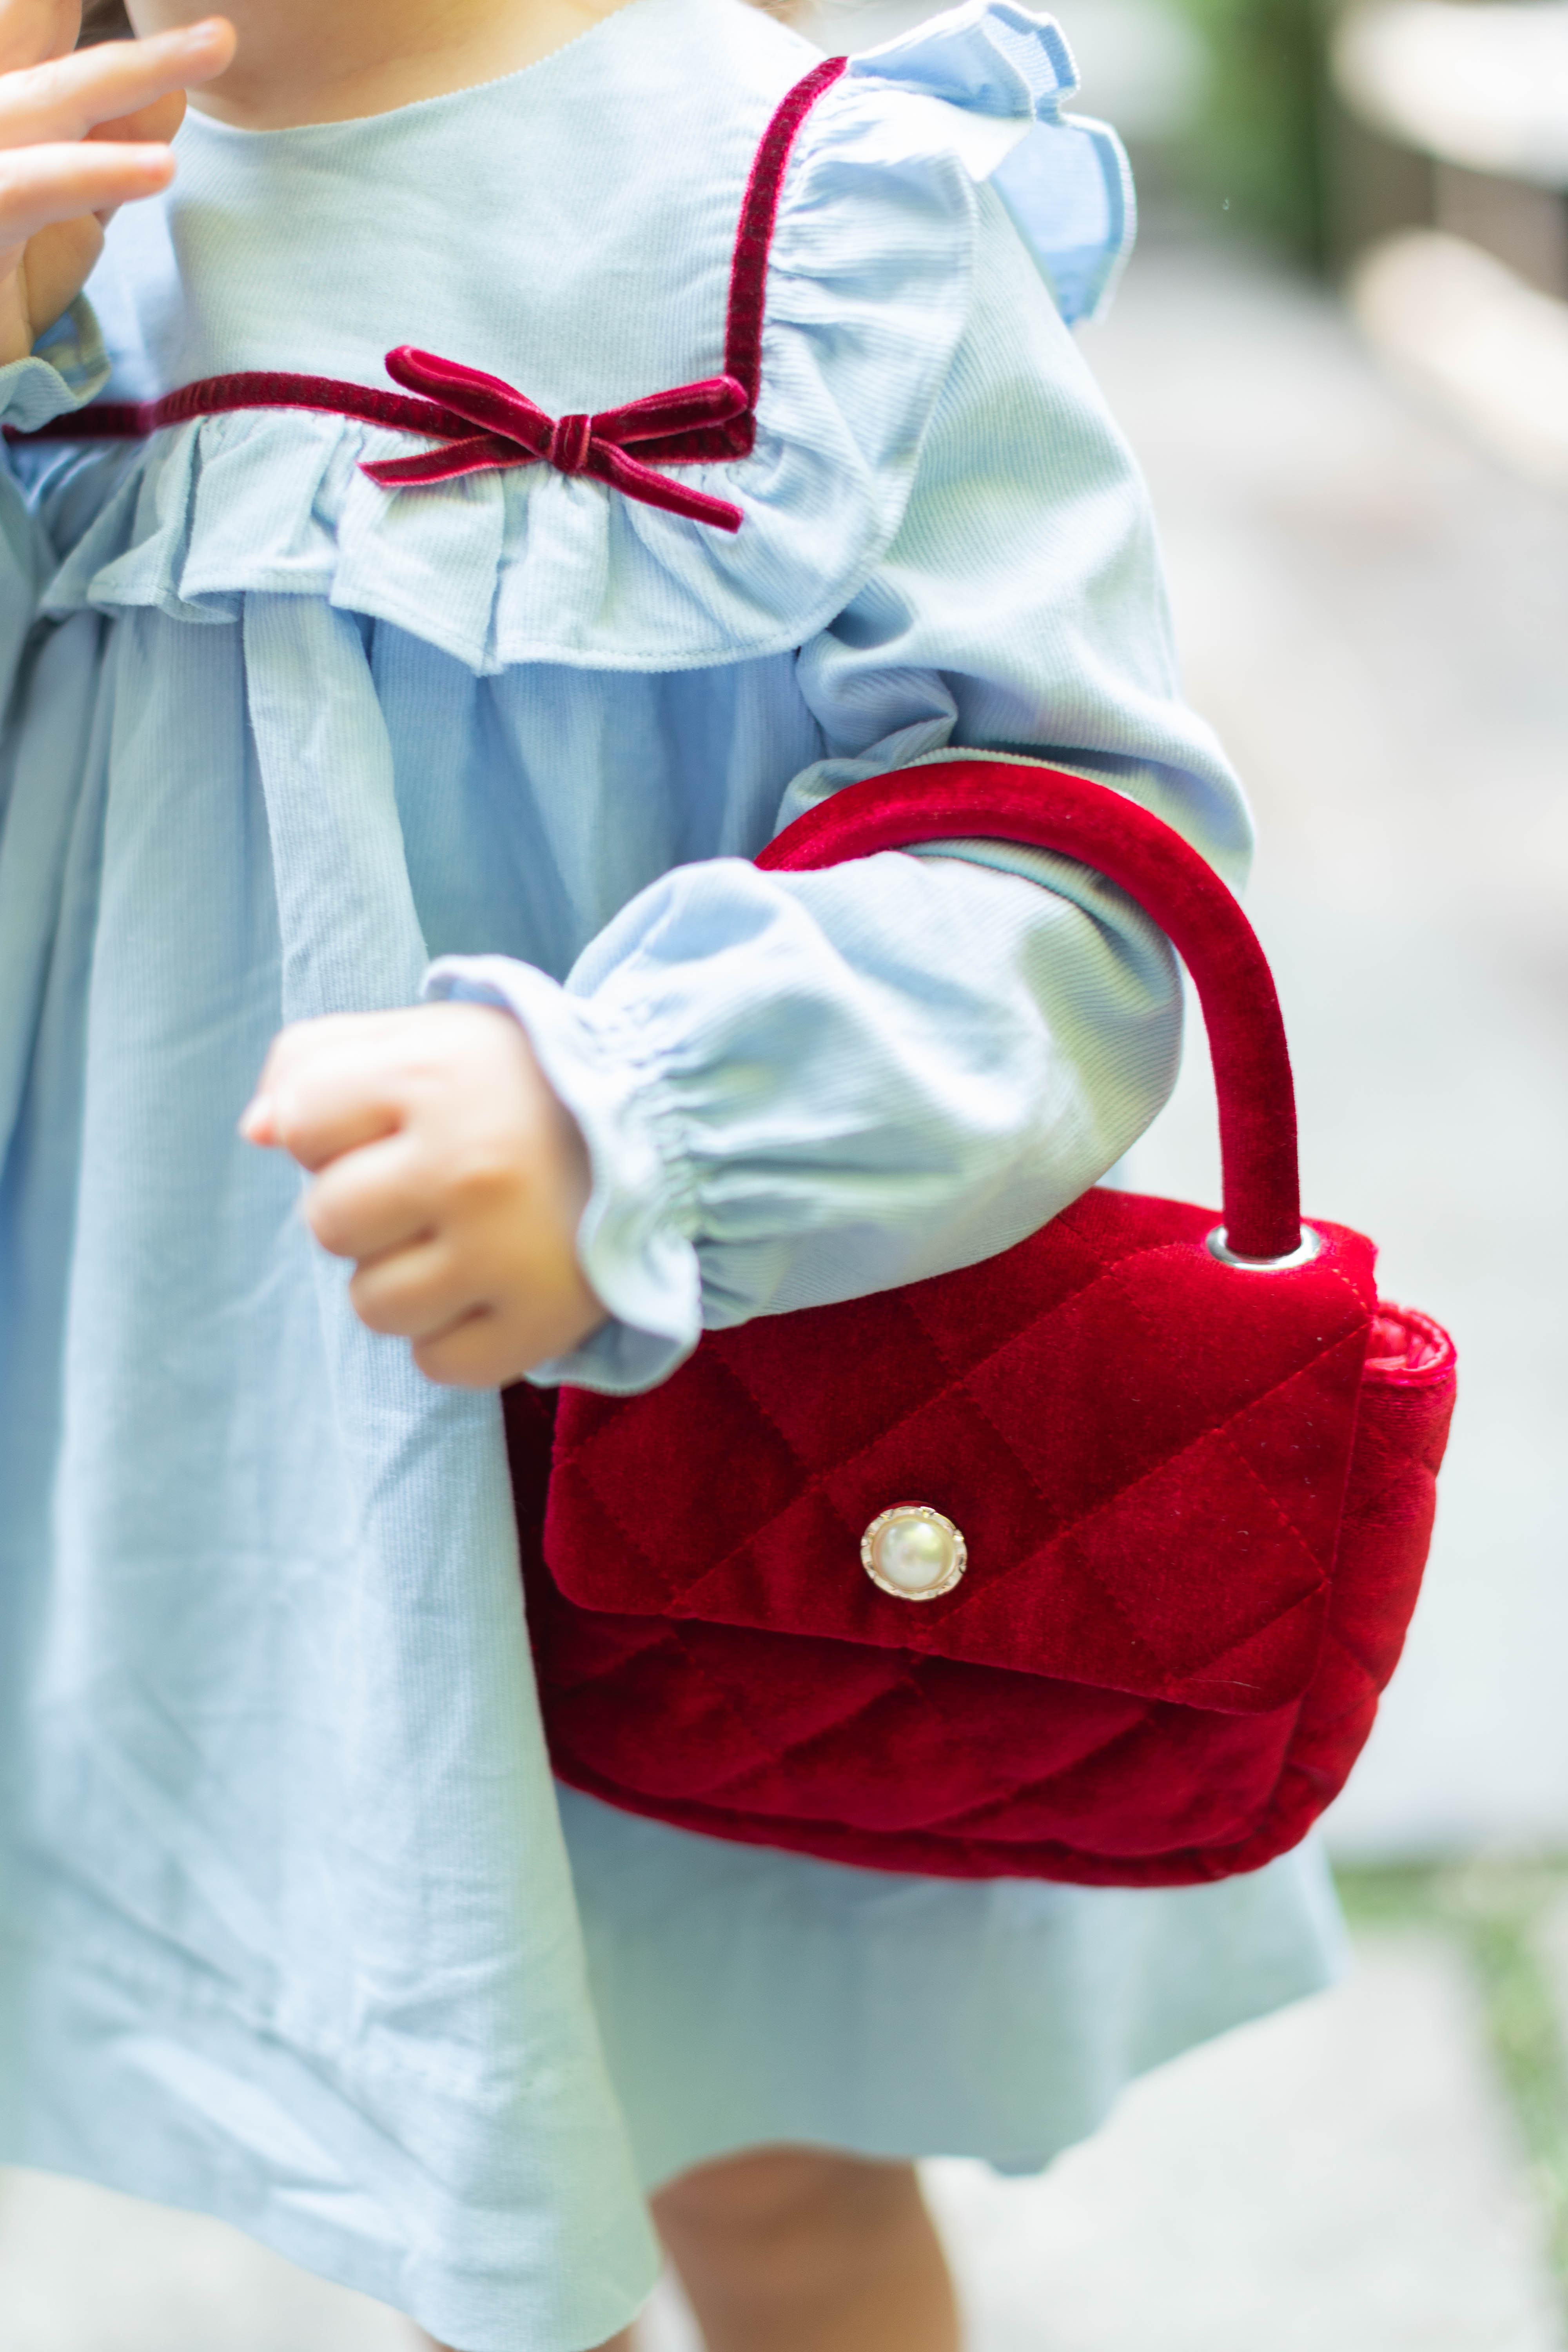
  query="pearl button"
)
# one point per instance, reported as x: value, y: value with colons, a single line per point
x: 912, y: 1552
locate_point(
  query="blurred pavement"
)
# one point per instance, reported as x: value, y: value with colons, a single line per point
x: 1339, y: 2176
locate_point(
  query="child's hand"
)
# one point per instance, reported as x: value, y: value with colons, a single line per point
x: 80, y: 133
x: 447, y: 1167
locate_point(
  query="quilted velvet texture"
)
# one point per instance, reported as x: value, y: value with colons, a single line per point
x: 1196, y: 1496
x: 1167, y: 1650
x: 1147, y: 1471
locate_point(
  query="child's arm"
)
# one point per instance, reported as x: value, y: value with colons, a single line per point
x: 795, y: 1087
x: 851, y: 1079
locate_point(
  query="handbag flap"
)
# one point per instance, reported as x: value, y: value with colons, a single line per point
x: 1146, y: 1450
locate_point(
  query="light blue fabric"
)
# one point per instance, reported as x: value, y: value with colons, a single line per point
x: 289, y: 1930
x: 1065, y: 182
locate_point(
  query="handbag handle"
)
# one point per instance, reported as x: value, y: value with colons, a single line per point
x: 1047, y: 808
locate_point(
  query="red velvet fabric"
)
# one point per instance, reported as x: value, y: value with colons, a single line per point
x: 220, y: 396
x: 1196, y: 1498
x: 513, y: 432
x: 481, y: 423
x: 753, y: 241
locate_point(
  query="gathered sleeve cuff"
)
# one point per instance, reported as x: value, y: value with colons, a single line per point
x: 634, y: 1242
x: 797, y: 1088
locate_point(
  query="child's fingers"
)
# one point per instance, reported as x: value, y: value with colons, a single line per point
x: 319, y: 1116
x: 40, y: 185
x: 369, y: 1201
x: 60, y: 259
x: 412, y: 1294
x: 158, y: 121
x: 476, y: 1352
x: 31, y: 30
x: 328, y: 1087
x: 69, y: 97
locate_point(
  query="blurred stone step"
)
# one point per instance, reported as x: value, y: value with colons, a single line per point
x: 1464, y: 328
x: 1343, y: 2175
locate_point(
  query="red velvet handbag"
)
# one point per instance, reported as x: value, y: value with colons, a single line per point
x: 1086, y: 1562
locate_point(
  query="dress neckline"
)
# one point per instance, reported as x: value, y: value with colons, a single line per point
x: 482, y: 424
x: 424, y: 110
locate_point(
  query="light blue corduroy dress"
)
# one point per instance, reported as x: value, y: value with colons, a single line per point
x: 289, y: 1928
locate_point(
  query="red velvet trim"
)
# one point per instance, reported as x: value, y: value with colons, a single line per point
x: 1180, y: 891
x: 749, y: 269
x: 714, y: 419
x: 216, y: 395
x: 106, y: 420
x: 514, y: 432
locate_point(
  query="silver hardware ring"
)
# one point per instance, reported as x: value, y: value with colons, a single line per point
x: 1309, y: 1247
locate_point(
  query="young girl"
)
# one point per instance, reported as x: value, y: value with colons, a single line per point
x: 296, y: 1929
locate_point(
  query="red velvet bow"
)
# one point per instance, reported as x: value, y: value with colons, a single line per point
x: 513, y: 432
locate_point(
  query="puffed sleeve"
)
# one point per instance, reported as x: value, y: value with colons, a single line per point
x: 797, y: 1089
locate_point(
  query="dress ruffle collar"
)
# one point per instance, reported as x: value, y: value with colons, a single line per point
x: 867, y: 297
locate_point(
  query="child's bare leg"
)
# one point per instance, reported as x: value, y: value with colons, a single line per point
x: 792, y: 2249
